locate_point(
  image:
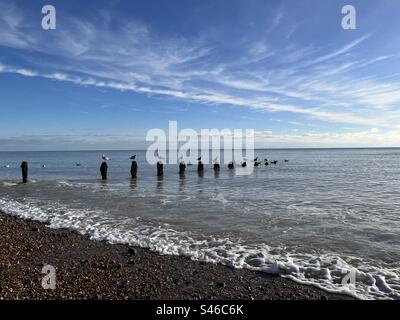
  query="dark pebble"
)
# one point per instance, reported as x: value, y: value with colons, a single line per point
x: 132, y: 251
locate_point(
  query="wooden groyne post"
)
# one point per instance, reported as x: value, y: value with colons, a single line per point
x: 134, y: 168
x: 24, y: 169
x: 160, y: 169
x: 200, y: 167
x: 182, y: 168
x: 103, y: 170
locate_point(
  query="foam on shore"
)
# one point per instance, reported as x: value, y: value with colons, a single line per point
x: 325, y: 271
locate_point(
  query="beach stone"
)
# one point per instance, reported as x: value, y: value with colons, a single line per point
x: 91, y: 269
x: 132, y: 251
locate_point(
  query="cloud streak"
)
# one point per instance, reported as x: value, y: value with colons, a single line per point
x: 308, y: 81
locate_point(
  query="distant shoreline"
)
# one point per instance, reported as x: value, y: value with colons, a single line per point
x: 87, y: 269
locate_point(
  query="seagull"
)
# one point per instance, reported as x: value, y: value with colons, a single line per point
x: 255, y: 160
x: 181, y: 159
x: 7, y: 166
x: 43, y: 166
x: 199, y: 159
x: 133, y: 157
x: 105, y: 158
x: 158, y: 156
x: 257, y: 163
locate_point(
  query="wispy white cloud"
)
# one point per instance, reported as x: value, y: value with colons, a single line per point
x: 308, y: 81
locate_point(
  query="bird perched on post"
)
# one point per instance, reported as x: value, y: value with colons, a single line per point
x: 105, y: 158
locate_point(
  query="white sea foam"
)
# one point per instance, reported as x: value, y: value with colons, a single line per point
x: 8, y: 184
x: 325, y: 271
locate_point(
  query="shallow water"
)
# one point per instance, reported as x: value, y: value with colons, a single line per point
x: 313, y: 219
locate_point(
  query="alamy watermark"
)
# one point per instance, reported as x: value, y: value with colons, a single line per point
x: 349, y: 21
x: 349, y: 280
x: 208, y: 146
x: 49, y: 280
x: 49, y: 21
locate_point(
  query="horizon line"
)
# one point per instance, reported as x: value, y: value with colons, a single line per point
x: 126, y: 150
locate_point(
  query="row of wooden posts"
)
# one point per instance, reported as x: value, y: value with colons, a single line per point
x: 134, y: 168
x: 160, y: 168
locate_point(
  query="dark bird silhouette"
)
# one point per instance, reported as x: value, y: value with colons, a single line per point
x: 133, y: 157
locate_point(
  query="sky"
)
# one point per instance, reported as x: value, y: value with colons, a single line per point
x: 112, y: 70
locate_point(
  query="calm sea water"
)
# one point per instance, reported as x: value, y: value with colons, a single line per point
x: 323, y: 215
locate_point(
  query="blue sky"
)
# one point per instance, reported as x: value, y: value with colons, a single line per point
x: 112, y: 70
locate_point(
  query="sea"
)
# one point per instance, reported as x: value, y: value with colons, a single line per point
x: 326, y: 217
